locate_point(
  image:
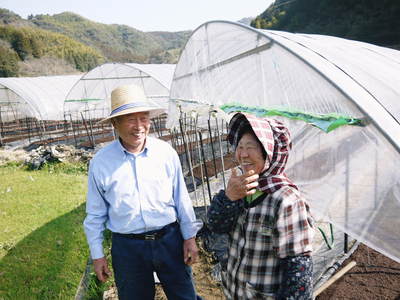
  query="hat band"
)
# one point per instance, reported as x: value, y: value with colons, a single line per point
x: 131, y: 105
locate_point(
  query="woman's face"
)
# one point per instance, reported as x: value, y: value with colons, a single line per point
x: 249, y: 154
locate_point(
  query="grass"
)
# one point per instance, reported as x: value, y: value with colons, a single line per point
x: 43, y: 250
x: 95, y: 288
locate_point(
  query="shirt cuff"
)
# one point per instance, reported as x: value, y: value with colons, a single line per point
x: 96, y: 252
x: 190, y: 230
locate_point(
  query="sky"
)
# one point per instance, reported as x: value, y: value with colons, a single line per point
x: 145, y: 15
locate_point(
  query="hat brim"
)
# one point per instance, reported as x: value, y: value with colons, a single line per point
x: 154, y: 112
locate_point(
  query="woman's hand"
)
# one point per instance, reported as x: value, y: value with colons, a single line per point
x: 240, y: 186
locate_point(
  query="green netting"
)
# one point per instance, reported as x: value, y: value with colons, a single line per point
x: 326, y: 123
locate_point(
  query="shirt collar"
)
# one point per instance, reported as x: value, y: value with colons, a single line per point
x: 148, y: 145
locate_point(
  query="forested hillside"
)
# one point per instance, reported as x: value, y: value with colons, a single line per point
x: 20, y: 43
x: 371, y: 21
x: 78, y: 43
x: 118, y: 43
x: 171, y: 43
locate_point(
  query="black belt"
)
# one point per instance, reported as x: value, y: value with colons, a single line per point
x: 148, y: 236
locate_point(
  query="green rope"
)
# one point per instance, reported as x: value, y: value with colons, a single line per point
x: 330, y: 243
x: 326, y: 122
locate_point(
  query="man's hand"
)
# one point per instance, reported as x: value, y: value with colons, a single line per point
x: 240, y: 186
x: 190, y: 251
x: 101, y: 269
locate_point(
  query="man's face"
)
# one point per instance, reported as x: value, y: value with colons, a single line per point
x: 249, y: 154
x: 133, y: 129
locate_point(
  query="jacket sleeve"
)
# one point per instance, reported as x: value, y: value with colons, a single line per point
x: 223, y: 213
x: 296, y: 278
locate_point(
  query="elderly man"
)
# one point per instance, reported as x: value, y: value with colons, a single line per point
x: 136, y: 189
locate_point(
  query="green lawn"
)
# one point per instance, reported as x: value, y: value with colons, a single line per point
x: 43, y: 250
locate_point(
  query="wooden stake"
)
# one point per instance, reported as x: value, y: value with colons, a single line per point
x: 334, y: 278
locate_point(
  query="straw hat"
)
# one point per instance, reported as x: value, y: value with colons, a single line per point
x: 127, y: 99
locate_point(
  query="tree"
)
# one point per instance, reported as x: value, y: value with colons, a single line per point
x: 21, y: 44
x: 8, y: 62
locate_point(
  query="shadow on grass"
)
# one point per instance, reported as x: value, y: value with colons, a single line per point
x: 48, y: 263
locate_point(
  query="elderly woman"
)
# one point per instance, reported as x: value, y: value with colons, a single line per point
x: 269, y: 222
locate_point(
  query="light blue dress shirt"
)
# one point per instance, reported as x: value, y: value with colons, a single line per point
x: 136, y: 193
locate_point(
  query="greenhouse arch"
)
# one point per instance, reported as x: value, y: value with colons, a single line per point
x: 89, y: 100
x: 339, y: 99
x: 31, y: 107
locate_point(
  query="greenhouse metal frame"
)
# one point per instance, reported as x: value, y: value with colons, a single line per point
x: 339, y: 99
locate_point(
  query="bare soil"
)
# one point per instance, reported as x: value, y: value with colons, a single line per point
x: 211, y: 166
x: 206, y: 286
x: 375, y: 277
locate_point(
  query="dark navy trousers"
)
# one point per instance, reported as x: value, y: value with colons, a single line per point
x: 134, y: 261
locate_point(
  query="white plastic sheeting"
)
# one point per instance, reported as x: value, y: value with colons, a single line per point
x: 351, y: 175
x: 37, y: 97
x: 91, y: 95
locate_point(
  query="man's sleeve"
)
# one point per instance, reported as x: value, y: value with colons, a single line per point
x: 96, y: 209
x: 183, y: 204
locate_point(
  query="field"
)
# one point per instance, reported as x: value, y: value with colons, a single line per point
x: 43, y: 250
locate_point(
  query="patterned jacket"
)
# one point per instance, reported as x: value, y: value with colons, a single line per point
x: 268, y: 240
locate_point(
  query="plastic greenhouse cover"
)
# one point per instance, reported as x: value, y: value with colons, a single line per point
x: 92, y: 93
x: 40, y: 97
x: 350, y: 174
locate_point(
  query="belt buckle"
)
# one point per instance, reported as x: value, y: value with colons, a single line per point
x: 149, y: 237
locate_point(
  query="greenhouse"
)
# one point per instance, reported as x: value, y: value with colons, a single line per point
x: 339, y: 99
x: 32, y: 107
x: 89, y: 100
